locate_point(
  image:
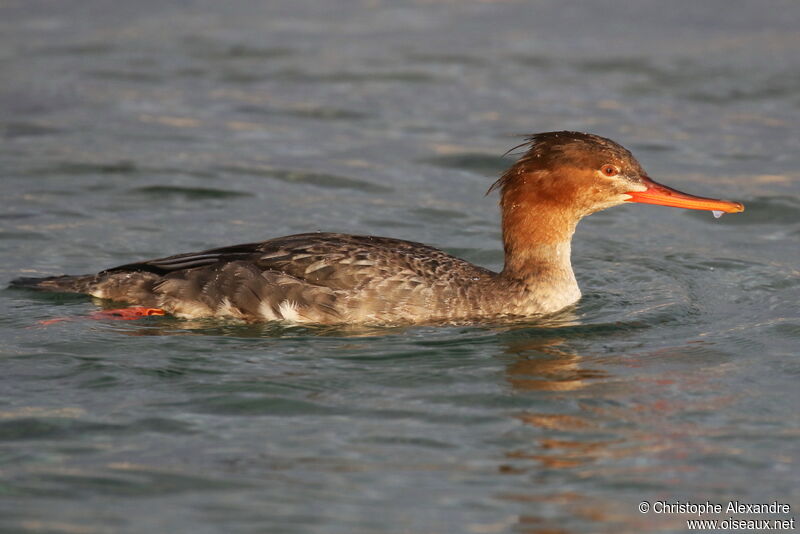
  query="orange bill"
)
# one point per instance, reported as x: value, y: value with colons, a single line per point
x: 666, y: 196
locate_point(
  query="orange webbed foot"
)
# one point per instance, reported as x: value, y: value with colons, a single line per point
x: 117, y: 314
x: 127, y: 314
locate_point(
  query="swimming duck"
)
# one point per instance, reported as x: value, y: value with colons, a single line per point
x: 330, y: 278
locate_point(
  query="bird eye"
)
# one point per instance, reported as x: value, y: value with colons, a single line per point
x: 609, y: 170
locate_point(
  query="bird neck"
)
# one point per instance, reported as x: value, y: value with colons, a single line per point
x: 537, y: 237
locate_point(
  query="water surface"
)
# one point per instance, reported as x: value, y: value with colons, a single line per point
x: 151, y: 128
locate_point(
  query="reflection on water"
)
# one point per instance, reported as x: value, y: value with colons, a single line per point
x: 543, y: 366
x: 547, y: 365
x: 594, y: 437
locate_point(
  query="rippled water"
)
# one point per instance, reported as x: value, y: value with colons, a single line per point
x: 134, y: 130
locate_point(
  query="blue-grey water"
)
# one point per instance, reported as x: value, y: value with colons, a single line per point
x: 131, y: 130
